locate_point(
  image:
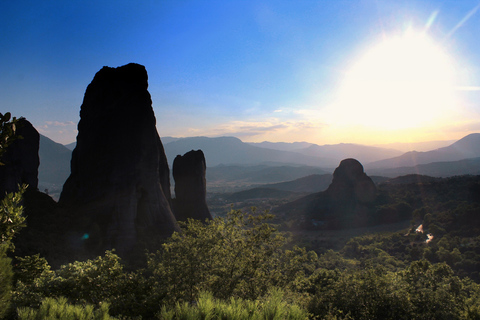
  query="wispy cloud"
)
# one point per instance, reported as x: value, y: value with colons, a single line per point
x: 274, y: 130
x: 59, y: 124
x: 59, y: 131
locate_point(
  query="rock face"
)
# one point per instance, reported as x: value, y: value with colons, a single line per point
x: 190, y: 186
x: 21, y: 160
x: 346, y: 203
x: 351, y: 184
x: 118, y: 192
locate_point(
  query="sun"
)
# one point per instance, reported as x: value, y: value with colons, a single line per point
x: 405, y: 81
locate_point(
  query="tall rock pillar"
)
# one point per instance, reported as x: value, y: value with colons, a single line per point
x: 190, y: 186
x: 118, y: 191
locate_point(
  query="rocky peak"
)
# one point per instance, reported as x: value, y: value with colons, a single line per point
x: 21, y: 160
x: 351, y: 183
x: 118, y: 191
x: 189, y: 173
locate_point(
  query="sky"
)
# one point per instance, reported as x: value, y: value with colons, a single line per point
x: 326, y: 72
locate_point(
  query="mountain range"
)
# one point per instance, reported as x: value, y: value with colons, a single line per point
x: 465, y: 148
x: 229, y: 159
x: 54, y: 166
x: 232, y: 151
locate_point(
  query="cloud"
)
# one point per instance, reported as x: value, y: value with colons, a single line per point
x: 247, y: 129
x: 59, y: 124
x: 274, y: 130
x: 59, y: 131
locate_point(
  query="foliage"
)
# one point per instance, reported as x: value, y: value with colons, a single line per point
x: 236, y: 256
x: 11, y: 217
x: 6, y: 276
x: 8, y: 128
x: 273, y: 306
x: 60, y: 309
x: 92, y: 282
x: 421, y: 291
x: 215, y: 257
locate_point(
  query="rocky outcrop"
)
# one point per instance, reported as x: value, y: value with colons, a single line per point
x: 118, y: 192
x: 21, y: 160
x: 189, y: 173
x: 346, y: 203
x: 351, y: 184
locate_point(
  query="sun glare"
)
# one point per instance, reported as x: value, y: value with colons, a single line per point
x: 404, y: 82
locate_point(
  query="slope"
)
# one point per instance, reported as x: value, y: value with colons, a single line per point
x: 230, y: 150
x: 467, y: 147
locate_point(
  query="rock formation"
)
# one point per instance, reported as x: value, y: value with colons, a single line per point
x: 118, y: 192
x: 346, y: 203
x: 190, y: 186
x: 351, y: 184
x: 21, y: 160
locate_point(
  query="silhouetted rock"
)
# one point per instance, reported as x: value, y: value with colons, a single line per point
x: 350, y: 183
x: 118, y: 192
x: 190, y: 186
x: 45, y: 231
x: 21, y: 160
x: 346, y: 203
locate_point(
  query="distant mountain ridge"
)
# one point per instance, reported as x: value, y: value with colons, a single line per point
x: 54, y: 166
x: 465, y: 148
x: 417, y: 146
x: 435, y: 169
x: 342, y: 151
x: 232, y: 151
x: 282, y: 146
x: 55, y: 159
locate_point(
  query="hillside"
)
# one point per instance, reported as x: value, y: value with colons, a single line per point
x: 435, y: 169
x: 283, y: 146
x: 465, y: 148
x: 235, y: 178
x: 54, y: 166
x: 342, y: 151
x: 309, y: 184
x: 232, y: 151
x: 260, y: 193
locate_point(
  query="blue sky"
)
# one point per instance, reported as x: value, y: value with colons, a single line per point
x: 258, y: 70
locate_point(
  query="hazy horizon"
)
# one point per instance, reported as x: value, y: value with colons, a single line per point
x: 363, y: 72
x: 400, y: 146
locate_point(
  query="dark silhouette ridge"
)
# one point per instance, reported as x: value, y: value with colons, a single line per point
x: 118, y: 192
x: 346, y: 203
x: 21, y: 160
x: 190, y: 186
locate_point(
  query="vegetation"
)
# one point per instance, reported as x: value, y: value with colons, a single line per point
x: 61, y: 309
x: 241, y: 266
x: 227, y: 267
x: 11, y: 218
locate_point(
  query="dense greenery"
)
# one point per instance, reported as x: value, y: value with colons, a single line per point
x: 236, y: 264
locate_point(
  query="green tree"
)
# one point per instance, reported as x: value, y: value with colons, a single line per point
x: 236, y: 256
x: 434, y: 291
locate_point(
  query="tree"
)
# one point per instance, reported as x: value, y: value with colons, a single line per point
x: 236, y: 256
x: 8, y: 128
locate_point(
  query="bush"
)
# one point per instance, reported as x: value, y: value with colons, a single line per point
x: 59, y: 309
x: 237, y: 256
x: 273, y: 307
